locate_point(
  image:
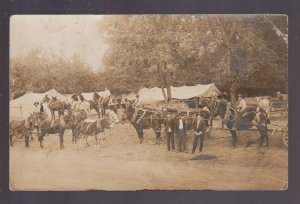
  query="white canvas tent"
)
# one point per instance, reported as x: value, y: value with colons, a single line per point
x: 21, y: 107
x: 154, y: 95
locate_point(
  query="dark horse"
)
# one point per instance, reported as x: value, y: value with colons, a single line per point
x: 55, y: 105
x: 56, y: 126
x: 228, y: 116
x: 95, y: 103
x: 144, y: 119
x: 104, y: 104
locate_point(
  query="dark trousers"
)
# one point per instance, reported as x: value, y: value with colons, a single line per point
x: 170, y: 140
x: 26, y: 140
x: 263, y: 134
x: 236, y: 124
x: 181, y: 140
x: 196, y: 140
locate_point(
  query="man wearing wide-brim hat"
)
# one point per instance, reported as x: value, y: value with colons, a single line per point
x: 36, y: 108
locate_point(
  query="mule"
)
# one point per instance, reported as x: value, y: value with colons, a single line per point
x: 55, y: 105
x: 144, y: 119
x: 56, y: 126
x: 103, y: 104
x: 96, y: 128
x: 228, y: 115
x: 23, y: 128
x: 79, y: 116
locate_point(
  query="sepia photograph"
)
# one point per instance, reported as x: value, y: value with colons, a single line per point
x: 156, y: 102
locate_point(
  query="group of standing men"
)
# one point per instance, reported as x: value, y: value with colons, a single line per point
x: 178, y: 126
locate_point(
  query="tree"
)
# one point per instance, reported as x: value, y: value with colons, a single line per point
x: 233, y: 51
x: 150, y: 48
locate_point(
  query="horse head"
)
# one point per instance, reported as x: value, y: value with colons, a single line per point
x: 79, y: 116
x: 106, y: 122
x: 33, y: 121
x: 129, y: 111
x: 218, y: 107
x: 45, y: 99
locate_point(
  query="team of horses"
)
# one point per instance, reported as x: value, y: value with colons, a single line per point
x: 76, y: 119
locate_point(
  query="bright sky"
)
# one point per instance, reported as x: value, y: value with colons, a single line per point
x: 63, y: 35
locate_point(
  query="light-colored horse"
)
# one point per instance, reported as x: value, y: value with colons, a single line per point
x: 78, y: 105
x: 265, y: 104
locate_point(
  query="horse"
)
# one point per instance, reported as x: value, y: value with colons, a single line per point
x: 55, y: 105
x: 23, y: 128
x: 94, y: 128
x: 78, y: 117
x: 55, y: 126
x: 144, y: 119
x: 95, y: 104
x: 79, y: 103
x: 227, y: 113
x: 103, y: 104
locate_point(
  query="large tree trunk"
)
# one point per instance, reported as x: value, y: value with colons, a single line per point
x: 233, y: 90
x: 162, y: 83
x: 164, y: 92
x: 169, y: 93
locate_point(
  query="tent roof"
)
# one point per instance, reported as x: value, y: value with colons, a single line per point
x: 30, y: 98
x: 153, y: 95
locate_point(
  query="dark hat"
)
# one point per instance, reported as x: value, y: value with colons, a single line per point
x: 36, y: 103
x: 137, y: 95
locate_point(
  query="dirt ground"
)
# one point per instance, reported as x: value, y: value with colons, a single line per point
x: 123, y: 164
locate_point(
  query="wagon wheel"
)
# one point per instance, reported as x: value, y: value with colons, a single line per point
x: 285, y: 136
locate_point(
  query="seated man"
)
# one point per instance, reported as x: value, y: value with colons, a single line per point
x: 240, y: 110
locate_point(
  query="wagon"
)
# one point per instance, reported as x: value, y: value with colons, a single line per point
x: 282, y: 130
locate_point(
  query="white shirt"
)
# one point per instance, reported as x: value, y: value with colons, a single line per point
x: 242, y: 105
x: 36, y: 109
x: 180, y: 124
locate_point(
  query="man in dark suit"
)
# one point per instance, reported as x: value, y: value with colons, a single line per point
x: 200, y: 132
x: 169, y: 129
x: 181, y: 132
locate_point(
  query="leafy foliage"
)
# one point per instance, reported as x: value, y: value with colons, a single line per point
x: 239, y: 53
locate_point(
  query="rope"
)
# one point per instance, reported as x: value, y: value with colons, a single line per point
x: 144, y: 113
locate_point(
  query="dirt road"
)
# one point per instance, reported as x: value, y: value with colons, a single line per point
x: 123, y: 164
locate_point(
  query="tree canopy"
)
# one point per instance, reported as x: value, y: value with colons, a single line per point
x: 239, y: 53
x: 162, y: 50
